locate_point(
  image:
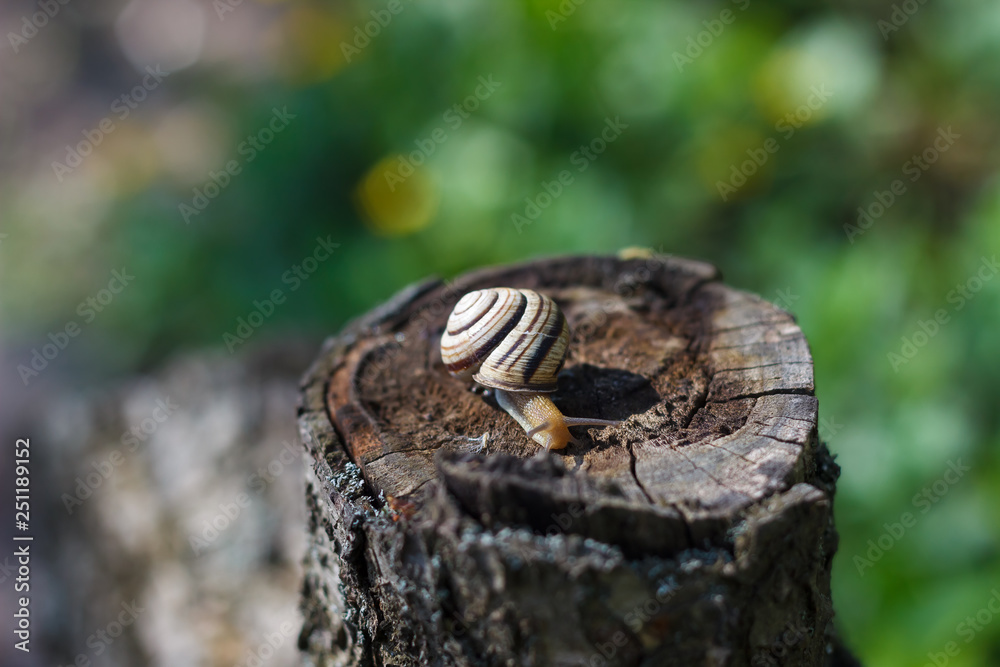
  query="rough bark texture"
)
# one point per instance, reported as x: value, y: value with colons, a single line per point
x: 699, y: 532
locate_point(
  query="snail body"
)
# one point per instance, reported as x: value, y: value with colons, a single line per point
x: 514, y: 341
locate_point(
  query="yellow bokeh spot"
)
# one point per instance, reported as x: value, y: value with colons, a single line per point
x: 787, y: 88
x: 312, y: 40
x: 727, y: 156
x: 396, y: 198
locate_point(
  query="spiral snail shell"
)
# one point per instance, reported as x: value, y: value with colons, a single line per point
x: 514, y: 341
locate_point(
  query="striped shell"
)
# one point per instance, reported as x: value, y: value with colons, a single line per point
x: 516, y: 339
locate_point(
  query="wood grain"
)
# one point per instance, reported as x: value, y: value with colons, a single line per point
x: 430, y: 502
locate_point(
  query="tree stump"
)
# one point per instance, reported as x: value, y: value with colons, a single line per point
x: 698, y: 532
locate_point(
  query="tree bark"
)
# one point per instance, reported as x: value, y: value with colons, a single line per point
x: 698, y: 532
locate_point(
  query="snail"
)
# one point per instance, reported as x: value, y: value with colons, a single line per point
x: 514, y: 341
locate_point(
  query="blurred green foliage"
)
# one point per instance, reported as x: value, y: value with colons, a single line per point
x: 697, y: 88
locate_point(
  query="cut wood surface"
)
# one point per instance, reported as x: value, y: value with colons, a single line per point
x: 699, y: 531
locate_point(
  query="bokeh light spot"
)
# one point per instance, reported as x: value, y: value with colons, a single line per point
x: 395, y: 201
x: 831, y: 65
x: 313, y: 40
x: 727, y: 156
x: 168, y: 35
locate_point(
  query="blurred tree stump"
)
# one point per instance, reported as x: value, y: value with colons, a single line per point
x: 699, y: 532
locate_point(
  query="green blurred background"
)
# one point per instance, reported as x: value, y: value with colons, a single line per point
x: 702, y: 89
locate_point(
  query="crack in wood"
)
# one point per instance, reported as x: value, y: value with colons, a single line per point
x: 790, y: 391
x: 725, y: 530
x: 638, y: 482
x: 770, y: 365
